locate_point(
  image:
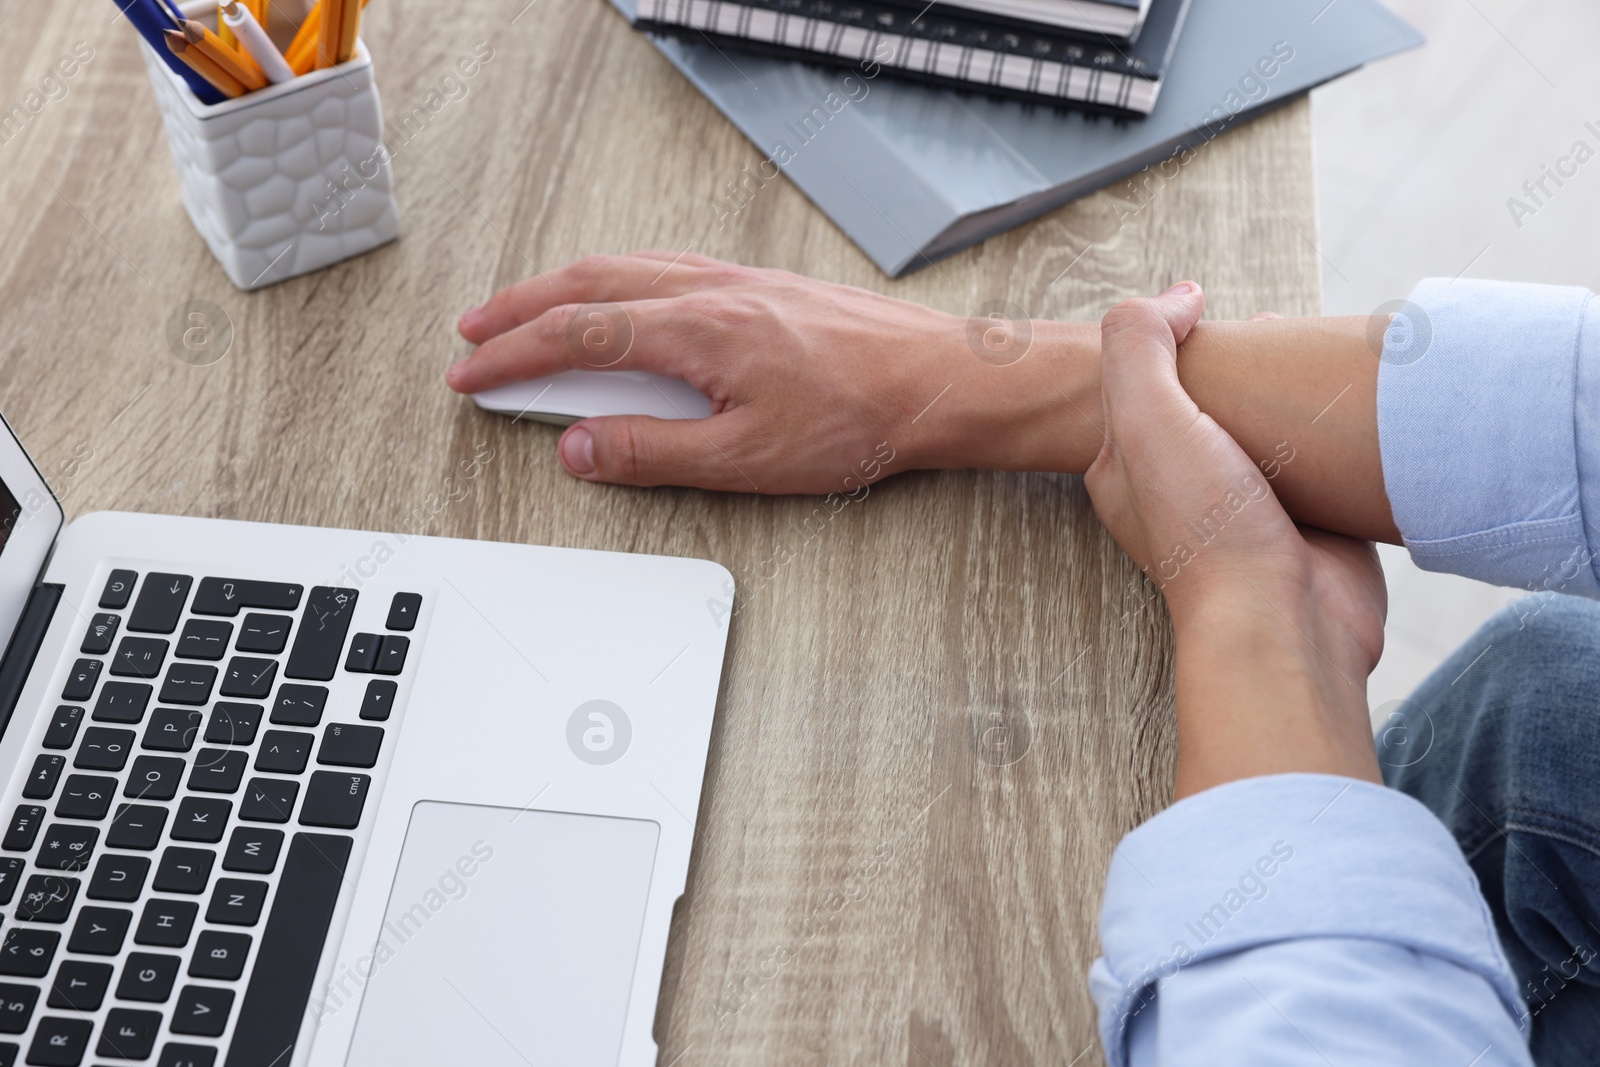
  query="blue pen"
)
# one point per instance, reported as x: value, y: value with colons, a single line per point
x: 149, y: 19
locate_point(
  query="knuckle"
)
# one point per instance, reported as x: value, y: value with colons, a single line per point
x: 625, y: 451
x: 1138, y: 315
x: 592, y: 268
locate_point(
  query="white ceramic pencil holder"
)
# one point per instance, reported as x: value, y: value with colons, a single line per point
x: 285, y: 180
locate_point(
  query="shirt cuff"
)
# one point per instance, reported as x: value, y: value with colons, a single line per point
x: 1279, y: 858
x: 1486, y: 401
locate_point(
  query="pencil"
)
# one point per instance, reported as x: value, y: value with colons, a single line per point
x: 224, y: 31
x: 302, y: 51
x: 198, y: 62
x: 328, y: 32
x: 349, y: 27
x: 242, y: 68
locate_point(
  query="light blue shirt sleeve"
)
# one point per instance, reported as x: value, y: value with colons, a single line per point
x: 1489, y: 424
x: 1300, y: 919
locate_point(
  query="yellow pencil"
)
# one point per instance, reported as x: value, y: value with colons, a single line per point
x: 243, y: 69
x: 302, y: 51
x: 349, y: 27
x: 328, y: 32
x: 224, y: 33
x: 198, y: 62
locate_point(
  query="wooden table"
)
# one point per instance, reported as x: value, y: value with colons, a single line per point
x: 938, y: 717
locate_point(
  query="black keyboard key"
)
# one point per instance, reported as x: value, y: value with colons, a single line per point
x: 136, y: 826
x: 284, y: 751
x: 66, y: 847
x: 344, y: 745
x: 100, y: 931
x: 176, y: 1055
x: 47, y: 898
x: 119, y: 587
x: 81, y: 679
x: 59, y: 1042
x: 291, y: 946
x: 27, y: 952
x: 16, y: 1007
x: 172, y: 729
x: 247, y: 677
x: 119, y: 878
x: 161, y: 600
x: 139, y: 657
x: 80, y: 985
x: 184, y: 870
x: 102, y: 631
x: 233, y: 724
x: 225, y: 596
x: 205, y: 639
x: 299, y: 705
x: 269, y: 800
x: 129, y: 1034
x: 321, y: 638
x: 363, y: 653
x: 202, y: 1010
x: 122, y: 702
x: 218, y: 770
x: 403, y: 611
x: 188, y: 683
x: 253, y: 850
x: 148, y: 976
x: 166, y: 923
x: 41, y: 783
x: 11, y: 869
x: 264, y: 633
x: 392, y: 654
x: 378, y: 704
x: 335, y: 799
x: 201, y: 819
x: 63, y: 728
x: 219, y: 955
x: 23, y: 828
x: 236, y: 902
x: 103, y: 749
x: 86, y: 796
x: 154, y: 778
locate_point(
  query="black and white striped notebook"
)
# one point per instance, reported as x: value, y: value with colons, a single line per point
x: 941, y: 44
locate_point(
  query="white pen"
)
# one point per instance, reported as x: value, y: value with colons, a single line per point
x: 255, y: 41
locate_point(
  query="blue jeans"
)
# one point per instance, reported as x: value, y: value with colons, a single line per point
x: 1502, y: 742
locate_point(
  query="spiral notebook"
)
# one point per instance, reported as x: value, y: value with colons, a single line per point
x: 941, y: 44
x: 911, y: 173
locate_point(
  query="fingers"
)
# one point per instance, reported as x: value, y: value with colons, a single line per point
x: 1139, y: 349
x: 1263, y: 315
x: 666, y: 336
x: 591, y: 280
x: 637, y: 450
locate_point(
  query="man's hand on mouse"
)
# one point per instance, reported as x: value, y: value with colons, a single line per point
x: 811, y: 384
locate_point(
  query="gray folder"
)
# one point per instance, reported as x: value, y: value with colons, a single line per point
x: 912, y: 173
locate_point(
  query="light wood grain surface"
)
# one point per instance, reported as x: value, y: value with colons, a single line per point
x: 938, y: 716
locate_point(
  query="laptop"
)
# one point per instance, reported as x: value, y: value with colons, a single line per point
x: 278, y: 796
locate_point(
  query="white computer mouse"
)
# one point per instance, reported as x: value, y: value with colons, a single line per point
x: 570, y: 395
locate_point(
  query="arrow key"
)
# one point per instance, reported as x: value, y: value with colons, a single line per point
x: 403, y: 611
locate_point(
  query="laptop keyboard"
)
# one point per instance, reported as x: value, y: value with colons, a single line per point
x: 186, y: 817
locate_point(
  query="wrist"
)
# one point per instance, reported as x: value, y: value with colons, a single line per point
x: 1262, y: 688
x: 1037, y: 411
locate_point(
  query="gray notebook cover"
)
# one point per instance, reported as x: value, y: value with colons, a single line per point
x: 912, y: 173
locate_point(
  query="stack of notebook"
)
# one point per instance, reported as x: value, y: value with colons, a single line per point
x: 1103, y: 55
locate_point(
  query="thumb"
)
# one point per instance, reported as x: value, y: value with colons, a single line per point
x: 1139, y: 350
x: 639, y: 450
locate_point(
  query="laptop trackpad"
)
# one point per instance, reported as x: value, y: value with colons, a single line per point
x: 510, y: 939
